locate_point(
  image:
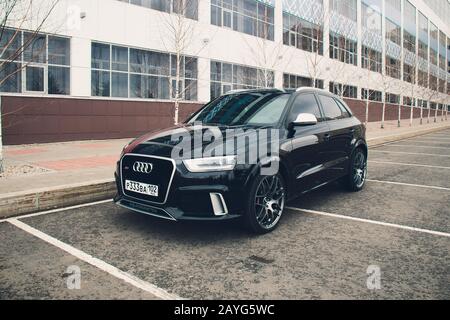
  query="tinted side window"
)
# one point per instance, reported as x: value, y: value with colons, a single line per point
x: 330, y: 108
x: 305, y: 103
x: 344, y: 110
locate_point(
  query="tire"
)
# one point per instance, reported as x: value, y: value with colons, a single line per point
x: 356, y: 178
x: 265, y: 203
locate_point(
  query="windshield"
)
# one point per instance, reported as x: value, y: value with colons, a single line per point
x: 253, y: 108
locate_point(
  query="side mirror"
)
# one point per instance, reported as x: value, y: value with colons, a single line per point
x: 305, y: 119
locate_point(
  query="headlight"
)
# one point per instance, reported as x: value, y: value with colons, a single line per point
x: 225, y: 163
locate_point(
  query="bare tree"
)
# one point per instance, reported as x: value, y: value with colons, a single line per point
x: 16, y: 15
x: 266, y: 52
x: 177, y: 38
x: 411, y: 80
x: 431, y: 95
x: 387, y: 83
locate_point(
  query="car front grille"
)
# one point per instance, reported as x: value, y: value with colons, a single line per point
x: 161, y: 175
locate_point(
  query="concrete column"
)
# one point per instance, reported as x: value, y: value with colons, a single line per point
x: 204, y: 71
x: 80, y: 73
x: 383, y: 43
x: 401, y: 44
x: 278, y: 37
x: 326, y: 39
x: 359, y: 33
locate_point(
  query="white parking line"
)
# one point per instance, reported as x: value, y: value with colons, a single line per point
x: 409, y: 184
x: 422, y: 141
x: 414, y: 145
x: 386, y: 224
x: 444, y: 140
x: 412, y: 153
x: 408, y: 164
x: 100, y: 264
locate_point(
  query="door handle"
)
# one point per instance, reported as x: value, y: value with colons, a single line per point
x: 352, y: 130
x: 326, y: 136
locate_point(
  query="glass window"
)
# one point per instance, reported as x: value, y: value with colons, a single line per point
x: 35, y: 48
x: 138, y: 73
x: 232, y: 76
x: 119, y: 85
x: 245, y: 108
x: 305, y: 103
x: 188, y: 8
x: 58, y: 80
x: 119, y: 58
x: 100, y: 83
x: 330, y: 108
x: 247, y: 16
x: 100, y: 56
x: 10, y: 77
x: 10, y: 44
x: 347, y: 8
x: 58, y: 51
x: 302, y: 34
x: 35, y: 79
x: 344, y: 109
x: 45, y: 60
x: 371, y: 95
x: 343, y: 49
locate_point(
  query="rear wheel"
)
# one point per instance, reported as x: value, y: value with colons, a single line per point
x: 265, y: 203
x: 358, y: 171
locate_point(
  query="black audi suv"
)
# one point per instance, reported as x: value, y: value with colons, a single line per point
x: 244, y: 155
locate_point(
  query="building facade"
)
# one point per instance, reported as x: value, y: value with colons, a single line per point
x: 108, y: 68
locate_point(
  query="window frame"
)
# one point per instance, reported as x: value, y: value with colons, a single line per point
x: 142, y: 68
x: 44, y: 64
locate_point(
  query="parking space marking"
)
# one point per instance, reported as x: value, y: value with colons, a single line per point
x: 100, y: 264
x: 408, y: 164
x: 381, y: 223
x: 414, y: 145
x: 444, y: 140
x: 412, y: 153
x: 62, y: 209
x: 409, y: 184
x: 419, y: 141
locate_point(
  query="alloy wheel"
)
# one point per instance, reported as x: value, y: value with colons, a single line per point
x: 359, y: 169
x: 269, y: 201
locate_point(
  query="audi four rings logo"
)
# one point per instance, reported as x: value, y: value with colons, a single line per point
x: 142, y: 167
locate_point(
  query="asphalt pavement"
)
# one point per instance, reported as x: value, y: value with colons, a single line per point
x: 327, y: 246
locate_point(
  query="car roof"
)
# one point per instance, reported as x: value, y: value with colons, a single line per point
x: 277, y: 90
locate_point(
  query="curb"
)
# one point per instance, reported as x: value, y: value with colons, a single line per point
x: 377, y: 141
x: 21, y: 203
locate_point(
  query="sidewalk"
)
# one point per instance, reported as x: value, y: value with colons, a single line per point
x: 45, y: 176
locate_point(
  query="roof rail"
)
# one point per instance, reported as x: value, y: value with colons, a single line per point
x: 310, y: 88
x: 255, y: 89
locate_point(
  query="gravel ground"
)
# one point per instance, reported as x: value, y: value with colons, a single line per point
x: 21, y: 170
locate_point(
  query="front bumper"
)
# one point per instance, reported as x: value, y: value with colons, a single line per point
x: 191, y: 196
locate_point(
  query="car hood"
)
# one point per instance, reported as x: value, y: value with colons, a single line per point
x: 163, y: 141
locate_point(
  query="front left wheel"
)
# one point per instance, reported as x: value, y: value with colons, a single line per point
x: 265, y: 203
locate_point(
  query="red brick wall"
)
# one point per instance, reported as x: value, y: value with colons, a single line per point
x: 39, y: 120
x: 44, y: 119
x: 358, y: 108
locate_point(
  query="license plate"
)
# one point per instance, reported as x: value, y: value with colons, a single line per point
x: 143, y: 188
